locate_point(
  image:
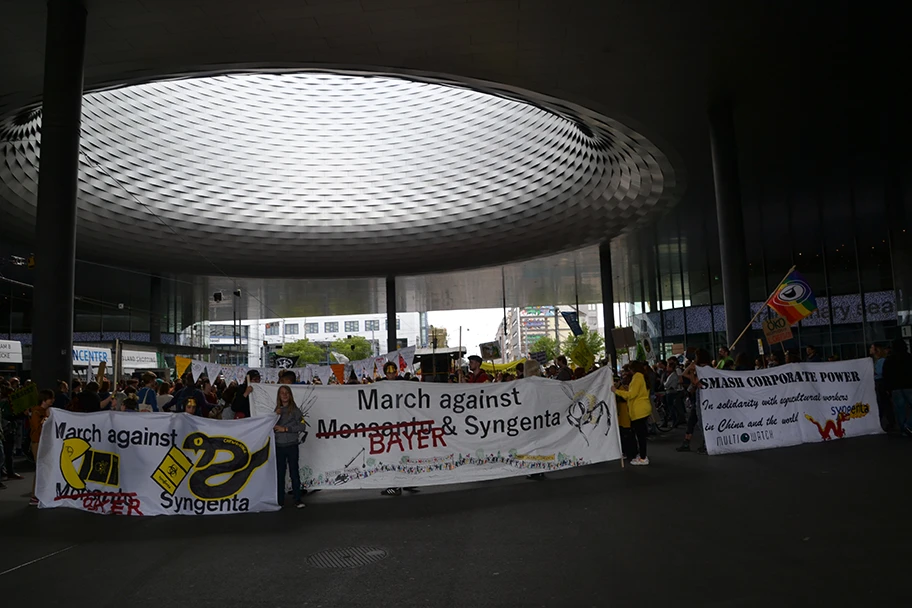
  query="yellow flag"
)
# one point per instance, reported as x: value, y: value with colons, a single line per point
x: 182, y: 363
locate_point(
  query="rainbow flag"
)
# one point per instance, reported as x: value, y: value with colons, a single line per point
x: 793, y: 299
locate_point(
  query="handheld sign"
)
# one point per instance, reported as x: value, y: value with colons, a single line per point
x: 490, y: 350
x: 24, y: 398
x: 776, y: 330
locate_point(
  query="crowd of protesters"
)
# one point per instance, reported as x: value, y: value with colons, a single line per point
x: 640, y: 387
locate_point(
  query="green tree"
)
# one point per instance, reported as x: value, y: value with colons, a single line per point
x: 306, y: 351
x: 355, y: 348
x: 544, y: 344
x: 583, y: 350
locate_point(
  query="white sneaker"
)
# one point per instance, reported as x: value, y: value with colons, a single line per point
x: 639, y: 462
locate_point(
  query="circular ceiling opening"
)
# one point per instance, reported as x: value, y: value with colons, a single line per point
x: 335, y: 174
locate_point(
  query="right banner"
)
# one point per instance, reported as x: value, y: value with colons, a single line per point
x: 787, y: 405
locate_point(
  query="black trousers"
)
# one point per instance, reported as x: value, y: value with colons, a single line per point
x: 9, y: 446
x: 640, y: 429
x: 693, y: 420
x: 628, y: 443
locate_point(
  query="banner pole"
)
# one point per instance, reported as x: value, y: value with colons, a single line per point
x: 459, y: 353
x: 754, y: 318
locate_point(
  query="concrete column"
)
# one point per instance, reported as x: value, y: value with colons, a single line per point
x: 391, y: 314
x: 735, y: 293
x: 607, y: 277
x: 155, y: 310
x: 55, y: 259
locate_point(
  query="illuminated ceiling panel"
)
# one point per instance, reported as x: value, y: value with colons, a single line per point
x: 317, y: 174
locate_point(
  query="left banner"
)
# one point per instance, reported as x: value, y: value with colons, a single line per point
x: 156, y: 464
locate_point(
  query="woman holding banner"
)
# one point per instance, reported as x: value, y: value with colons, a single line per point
x: 290, y: 423
x: 640, y: 407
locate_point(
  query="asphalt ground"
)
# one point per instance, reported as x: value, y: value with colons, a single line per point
x: 804, y: 526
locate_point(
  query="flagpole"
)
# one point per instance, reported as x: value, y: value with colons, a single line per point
x: 754, y: 318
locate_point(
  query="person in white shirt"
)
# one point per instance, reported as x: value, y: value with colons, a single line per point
x: 164, y: 395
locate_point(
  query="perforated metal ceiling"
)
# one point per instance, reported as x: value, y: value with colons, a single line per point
x: 329, y: 174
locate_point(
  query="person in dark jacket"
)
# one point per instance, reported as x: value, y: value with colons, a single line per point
x: 187, y: 394
x: 743, y: 363
x: 241, y: 404
x: 62, y: 398
x: 564, y: 372
x: 897, y: 380
x: 290, y: 423
x: 812, y: 355
x: 89, y: 400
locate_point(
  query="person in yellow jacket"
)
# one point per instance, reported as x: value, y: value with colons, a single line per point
x: 628, y: 442
x: 639, y: 407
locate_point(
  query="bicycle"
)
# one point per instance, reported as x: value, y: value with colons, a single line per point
x: 667, y: 415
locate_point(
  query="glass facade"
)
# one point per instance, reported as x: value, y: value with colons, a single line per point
x: 110, y: 304
x: 833, y: 203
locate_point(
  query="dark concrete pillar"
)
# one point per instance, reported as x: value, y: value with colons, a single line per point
x: 155, y: 310
x: 186, y: 312
x: 607, y: 276
x: 55, y: 259
x: 735, y: 293
x: 649, y: 273
x: 391, y: 314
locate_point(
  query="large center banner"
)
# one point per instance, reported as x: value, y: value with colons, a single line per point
x: 787, y: 405
x: 410, y: 433
x: 156, y: 464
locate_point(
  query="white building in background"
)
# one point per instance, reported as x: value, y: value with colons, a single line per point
x: 258, y: 337
x: 528, y: 323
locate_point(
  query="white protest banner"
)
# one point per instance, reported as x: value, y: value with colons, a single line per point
x: 414, y: 433
x: 787, y: 405
x: 156, y: 464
